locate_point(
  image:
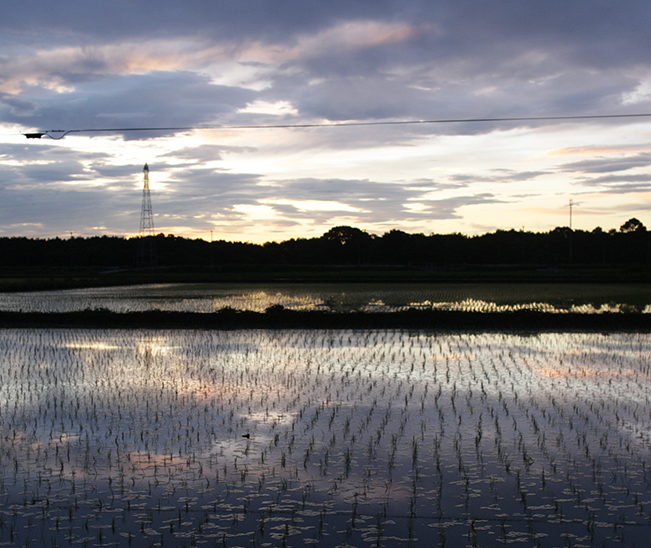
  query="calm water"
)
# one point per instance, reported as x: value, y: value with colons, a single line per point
x: 556, y: 298
x: 326, y: 438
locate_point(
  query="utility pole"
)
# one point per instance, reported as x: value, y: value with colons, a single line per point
x: 146, y: 242
x: 571, y: 230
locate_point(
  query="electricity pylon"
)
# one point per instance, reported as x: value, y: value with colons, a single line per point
x: 146, y: 242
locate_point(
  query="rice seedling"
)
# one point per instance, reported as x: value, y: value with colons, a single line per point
x: 549, y: 298
x: 139, y: 438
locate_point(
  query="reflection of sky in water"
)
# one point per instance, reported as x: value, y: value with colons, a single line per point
x: 559, y: 298
x: 323, y: 437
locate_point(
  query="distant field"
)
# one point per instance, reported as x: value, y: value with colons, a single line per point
x: 340, y: 297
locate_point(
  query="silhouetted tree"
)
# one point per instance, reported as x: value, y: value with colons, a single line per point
x: 345, y: 245
x: 632, y: 225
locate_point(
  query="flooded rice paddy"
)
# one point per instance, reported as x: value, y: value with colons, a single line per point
x: 325, y: 438
x: 486, y: 297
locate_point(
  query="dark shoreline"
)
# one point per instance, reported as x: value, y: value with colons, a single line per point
x: 289, y: 319
x: 49, y: 279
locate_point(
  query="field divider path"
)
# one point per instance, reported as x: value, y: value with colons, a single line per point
x: 290, y: 319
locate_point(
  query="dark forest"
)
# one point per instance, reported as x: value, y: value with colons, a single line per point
x: 348, y: 246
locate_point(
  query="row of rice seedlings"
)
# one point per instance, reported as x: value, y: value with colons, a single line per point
x: 207, y: 298
x: 257, y: 438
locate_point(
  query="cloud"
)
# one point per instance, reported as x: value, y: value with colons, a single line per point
x: 620, y: 184
x: 336, y: 61
x: 51, y: 210
x: 595, y: 34
x: 178, y: 99
x: 591, y: 150
x: 497, y: 176
x: 253, y: 20
x: 448, y: 208
x: 43, y: 164
x: 48, y: 190
x: 208, y: 194
x: 121, y: 64
x: 204, y: 153
x: 609, y: 164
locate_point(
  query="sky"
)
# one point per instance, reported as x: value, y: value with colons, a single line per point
x: 206, y: 64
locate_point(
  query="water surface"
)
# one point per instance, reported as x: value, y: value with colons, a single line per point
x: 555, y: 298
x: 331, y: 438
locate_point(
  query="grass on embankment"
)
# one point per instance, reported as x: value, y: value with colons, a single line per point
x: 279, y: 318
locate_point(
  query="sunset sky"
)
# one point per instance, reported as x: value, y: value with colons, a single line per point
x: 133, y: 64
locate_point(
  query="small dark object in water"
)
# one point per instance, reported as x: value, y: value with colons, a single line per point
x: 247, y: 436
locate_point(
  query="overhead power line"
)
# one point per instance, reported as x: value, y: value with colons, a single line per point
x: 60, y: 133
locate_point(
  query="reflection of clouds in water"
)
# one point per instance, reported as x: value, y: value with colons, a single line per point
x: 473, y: 305
x: 92, y: 346
x: 271, y: 418
x: 156, y: 345
x: 336, y: 419
x: 447, y: 357
x: 553, y: 298
x: 639, y: 433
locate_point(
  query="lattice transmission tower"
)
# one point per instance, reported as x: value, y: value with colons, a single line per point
x: 147, y: 241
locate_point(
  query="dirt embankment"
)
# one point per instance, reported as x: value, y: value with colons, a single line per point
x: 279, y: 318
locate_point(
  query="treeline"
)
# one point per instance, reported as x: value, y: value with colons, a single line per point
x: 348, y: 246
